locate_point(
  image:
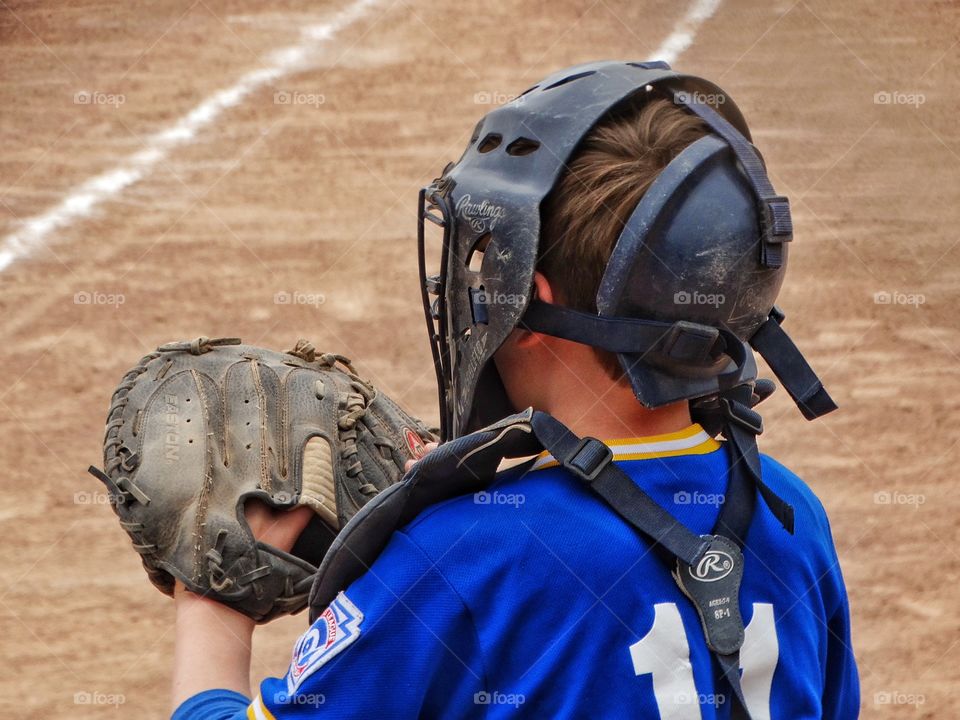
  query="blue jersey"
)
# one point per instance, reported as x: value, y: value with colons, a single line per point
x: 534, y: 599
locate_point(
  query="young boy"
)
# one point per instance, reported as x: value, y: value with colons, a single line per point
x: 612, y: 252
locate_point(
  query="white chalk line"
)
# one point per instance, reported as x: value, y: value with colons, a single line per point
x: 81, y: 202
x: 685, y: 30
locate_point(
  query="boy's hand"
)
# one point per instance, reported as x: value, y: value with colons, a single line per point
x: 279, y: 528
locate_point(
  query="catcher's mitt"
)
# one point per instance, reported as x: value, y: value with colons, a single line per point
x: 197, y: 428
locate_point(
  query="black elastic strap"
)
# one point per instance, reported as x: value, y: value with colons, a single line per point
x: 733, y: 523
x: 737, y: 511
x: 730, y: 670
x: 775, y: 222
x: 682, y: 341
x: 790, y: 367
x: 746, y: 448
x: 585, y: 459
x: 741, y: 425
x: 739, y: 504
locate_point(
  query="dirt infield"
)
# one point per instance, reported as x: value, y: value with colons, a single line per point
x: 293, y: 214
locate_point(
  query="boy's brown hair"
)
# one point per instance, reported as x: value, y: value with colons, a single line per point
x: 585, y: 213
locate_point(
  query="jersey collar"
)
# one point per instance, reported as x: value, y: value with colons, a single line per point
x: 693, y: 440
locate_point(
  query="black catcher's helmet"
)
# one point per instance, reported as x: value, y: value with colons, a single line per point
x: 691, y: 282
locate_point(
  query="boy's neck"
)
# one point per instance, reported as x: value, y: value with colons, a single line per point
x: 614, y: 412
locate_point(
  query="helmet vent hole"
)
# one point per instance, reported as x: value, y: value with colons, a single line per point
x: 490, y: 142
x: 522, y: 146
x: 475, y: 258
x: 570, y: 78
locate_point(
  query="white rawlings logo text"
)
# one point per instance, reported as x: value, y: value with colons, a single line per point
x: 713, y: 566
x: 480, y: 216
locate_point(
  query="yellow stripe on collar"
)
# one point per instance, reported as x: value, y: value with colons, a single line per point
x: 258, y: 710
x: 693, y: 440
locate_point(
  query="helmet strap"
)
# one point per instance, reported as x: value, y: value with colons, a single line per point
x: 679, y: 342
x: 790, y: 367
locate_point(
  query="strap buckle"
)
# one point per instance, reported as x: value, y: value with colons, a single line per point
x: 777, y: 218
x: 741, y: 415
x: 688, y: 342
x: 589, y: 459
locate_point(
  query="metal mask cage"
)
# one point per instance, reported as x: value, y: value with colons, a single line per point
x: 434, y: 209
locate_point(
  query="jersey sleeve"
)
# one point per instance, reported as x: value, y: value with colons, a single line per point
x: 213, y: 705
x: 841, y: 692
x: 398, y: 643
x: 837, y: 685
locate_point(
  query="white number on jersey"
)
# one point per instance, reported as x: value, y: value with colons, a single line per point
x: 664, y: 654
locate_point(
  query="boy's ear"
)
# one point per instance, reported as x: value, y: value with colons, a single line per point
x: 542, y: 289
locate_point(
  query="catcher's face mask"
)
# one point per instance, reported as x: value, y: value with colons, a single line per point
x: 710, y: 227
